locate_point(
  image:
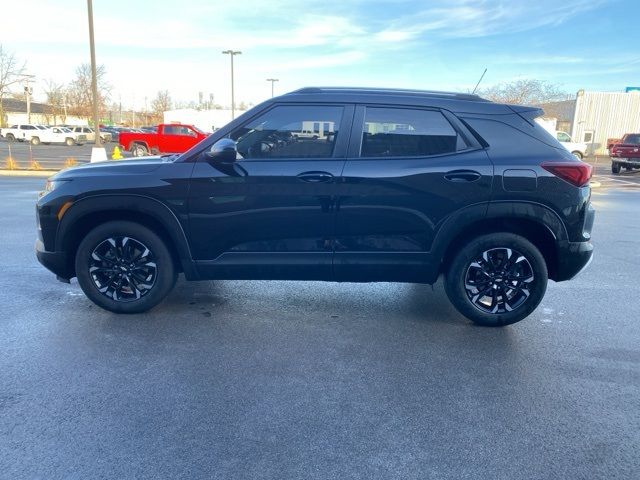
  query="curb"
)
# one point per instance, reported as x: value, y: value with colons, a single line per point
x: 27, y: 173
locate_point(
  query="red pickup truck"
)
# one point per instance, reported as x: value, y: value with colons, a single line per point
x: 168, y: 138
x: 626, y: 153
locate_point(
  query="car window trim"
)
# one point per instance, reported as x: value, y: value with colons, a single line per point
x: 355, y: 147
x: 339, y: 150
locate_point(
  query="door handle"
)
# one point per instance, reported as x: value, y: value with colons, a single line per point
x: 462, y: 176
x: 315, y: 177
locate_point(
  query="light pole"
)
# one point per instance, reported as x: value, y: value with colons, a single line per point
x: 272, y: 80
x: 231, y: 53
x: 94, y: 83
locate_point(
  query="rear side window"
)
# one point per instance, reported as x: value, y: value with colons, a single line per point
x: 404, y: 132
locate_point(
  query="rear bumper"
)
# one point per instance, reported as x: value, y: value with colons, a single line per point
x: 626, y: 161
x: 573, y: 258
x: 55, y: 262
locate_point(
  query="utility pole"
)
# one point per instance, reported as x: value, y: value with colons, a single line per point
x: 231, y: 53
x: 272, y: 80
x: 100, y: 155
x: 28, y: 91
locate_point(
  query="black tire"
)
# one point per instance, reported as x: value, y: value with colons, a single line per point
x: 10, y: 137
x: 139, y: 150
x: 578, y: 155
x: 497, y: 246
x: 101, y: 264
x: 628, y: 168
x: 615, y: 167
x: 35, y: 140
x: 69, y: 142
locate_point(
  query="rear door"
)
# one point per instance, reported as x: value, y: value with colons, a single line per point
x: 408, y: 170
x: 271, y: 213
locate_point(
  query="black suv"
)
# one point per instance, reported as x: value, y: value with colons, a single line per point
x: 336, y: 184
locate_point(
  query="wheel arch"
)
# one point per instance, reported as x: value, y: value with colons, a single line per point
x: 88, y: 213
x: 537, y: 223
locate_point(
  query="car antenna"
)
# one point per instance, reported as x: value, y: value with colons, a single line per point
x: 481, y: 77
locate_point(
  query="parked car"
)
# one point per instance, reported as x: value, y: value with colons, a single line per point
x: 626, y: 153
x: 411, y: 185
x: 168, y: 138
x: 579, y: 150
x: 37, y: 134
x: 20, y: 132
x: 90, y: 134
x: 113, y: 131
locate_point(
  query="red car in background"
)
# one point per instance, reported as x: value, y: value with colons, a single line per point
x: 168, y: 138
x: 626, y: 153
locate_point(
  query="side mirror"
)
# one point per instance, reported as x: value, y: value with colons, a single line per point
x: 224, y: 150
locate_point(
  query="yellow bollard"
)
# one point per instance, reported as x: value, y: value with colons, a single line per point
x: 116, y: 155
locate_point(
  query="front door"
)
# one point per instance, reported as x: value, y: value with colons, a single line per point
x: 408, y: 170
x: 271, y: 213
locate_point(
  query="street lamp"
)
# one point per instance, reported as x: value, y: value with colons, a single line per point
x: 231, y: 53
x: 272, y: 80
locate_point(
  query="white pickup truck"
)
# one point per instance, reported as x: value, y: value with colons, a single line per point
x: 577, y: 149
x: 37, y: 134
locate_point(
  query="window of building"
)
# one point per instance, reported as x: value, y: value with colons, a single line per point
x: 400, y: 132
x: 294, y: 131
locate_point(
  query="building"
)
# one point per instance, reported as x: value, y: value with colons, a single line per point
x: 600, y: 116
x: 15, y: 112
x: 562, y: 112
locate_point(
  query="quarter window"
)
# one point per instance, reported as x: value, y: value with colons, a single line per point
x: 398, y: 132
x: 290, y: 132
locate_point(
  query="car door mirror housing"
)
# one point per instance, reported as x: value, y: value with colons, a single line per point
x: 224, y: 150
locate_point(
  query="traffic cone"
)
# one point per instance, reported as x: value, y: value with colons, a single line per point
x: 116, y: 155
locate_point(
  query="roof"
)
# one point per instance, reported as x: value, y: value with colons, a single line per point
x: 12, y: 105
x: 390, y: 92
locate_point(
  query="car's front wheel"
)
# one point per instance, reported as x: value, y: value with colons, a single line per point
x: 615, y: 167
x: 124, y: 267
x: 497, y: 279
x: 577, y: 154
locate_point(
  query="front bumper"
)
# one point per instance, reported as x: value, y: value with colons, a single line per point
x: 56, y: 262
x: 573, y: 258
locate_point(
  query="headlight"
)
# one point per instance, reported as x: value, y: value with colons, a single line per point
x: 51, y: 185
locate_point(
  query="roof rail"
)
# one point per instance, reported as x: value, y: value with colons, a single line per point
x: 389, y: 91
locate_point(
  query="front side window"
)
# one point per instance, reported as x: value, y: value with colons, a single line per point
x: 400, y: 132
x: 291, y: 131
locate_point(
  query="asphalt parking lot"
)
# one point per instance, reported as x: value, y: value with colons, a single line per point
x: 306, y: 380
x: 48, y: 156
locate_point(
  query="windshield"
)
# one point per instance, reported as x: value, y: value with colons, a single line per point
x: 632, y: 138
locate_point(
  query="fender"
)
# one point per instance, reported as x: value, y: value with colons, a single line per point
x: 519, y: 210
x: 152, y: 207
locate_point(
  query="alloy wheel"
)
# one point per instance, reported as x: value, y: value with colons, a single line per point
x: 499, y: 280
x: 123, y: 268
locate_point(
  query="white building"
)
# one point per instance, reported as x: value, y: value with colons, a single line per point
x: 600, y: 116
x: 206, y: 120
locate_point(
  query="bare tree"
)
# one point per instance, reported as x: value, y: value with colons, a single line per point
x: 11, y: 72
x: 161, y: 103
x: 80, y: 95
x: 56, y: 99
x: 525, y: 92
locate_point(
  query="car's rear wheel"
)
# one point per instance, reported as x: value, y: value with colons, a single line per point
x: 497, y: 279
x: 35, y: 141
x: 139, y: 150
x: 578, y: 155
x: 615, y: 167
x: 69, y: 142
x: 124, y: 267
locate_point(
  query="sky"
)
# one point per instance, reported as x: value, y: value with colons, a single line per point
x: 152, y: 45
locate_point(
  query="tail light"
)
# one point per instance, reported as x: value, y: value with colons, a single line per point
x: 576, y: 173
